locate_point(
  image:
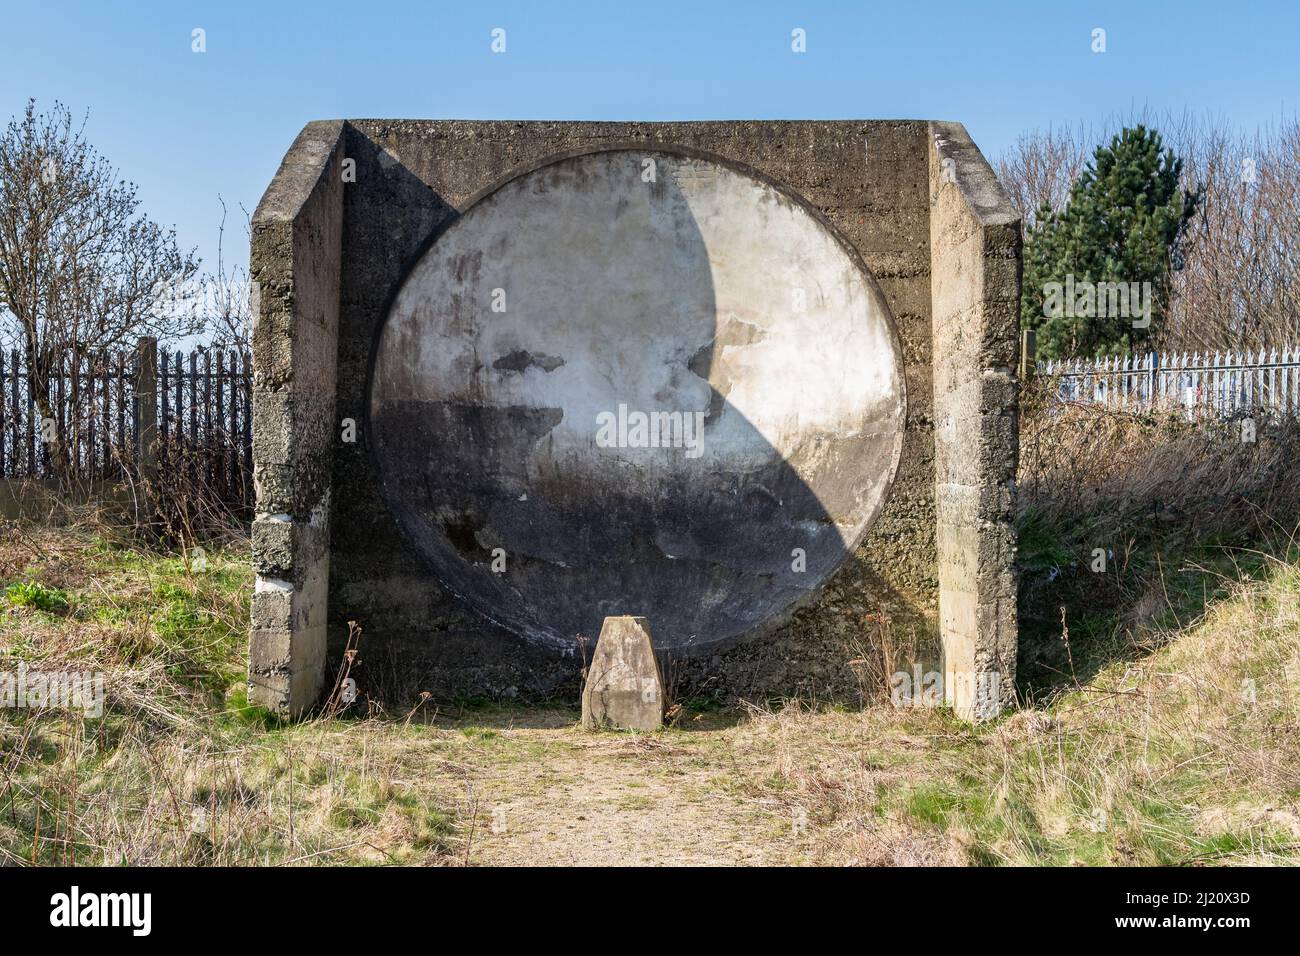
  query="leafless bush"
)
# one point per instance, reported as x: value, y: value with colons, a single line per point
x: 191, y: 496
x: 1241, y: 281
x: 224, y: 295
x: 1040, y: 168
x: 81, y: 269
x: 1124, y: 467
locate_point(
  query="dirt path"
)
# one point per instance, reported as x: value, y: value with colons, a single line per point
x: 531, y: 788
x: 550, y: 794
x: 635, y: 802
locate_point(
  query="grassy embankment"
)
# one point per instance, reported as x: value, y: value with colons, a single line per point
x: 1160, y: 724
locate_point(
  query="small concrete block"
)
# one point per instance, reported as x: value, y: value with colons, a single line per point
x: 624, y: 688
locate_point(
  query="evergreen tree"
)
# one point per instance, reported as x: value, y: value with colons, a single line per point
x: 1097, y: 273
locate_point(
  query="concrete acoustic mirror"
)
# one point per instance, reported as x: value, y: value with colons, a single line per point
x: 752, y: 382
x: 647, y: 382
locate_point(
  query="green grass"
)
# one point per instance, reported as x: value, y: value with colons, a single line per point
x: 35, y: 595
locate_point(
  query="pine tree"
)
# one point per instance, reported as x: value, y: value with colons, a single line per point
x: 1097, y: 273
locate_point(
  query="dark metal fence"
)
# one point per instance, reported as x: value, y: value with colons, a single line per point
x: 110, y: 415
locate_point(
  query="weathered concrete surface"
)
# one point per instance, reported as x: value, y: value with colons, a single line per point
x: 635, y: 379
x: 625, y: 687
x: 975, y: 269
x: 870, y: 180
x: 297, y: 237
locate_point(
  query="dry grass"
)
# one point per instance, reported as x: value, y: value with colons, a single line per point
x: 1190, y: 755
x: 1111, y: 467
x: 1170, y: 758
x: 1175, y: 506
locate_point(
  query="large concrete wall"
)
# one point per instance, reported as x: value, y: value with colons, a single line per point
x: 295, y: 268
x: 869, y: 180
x: 872, y: 183
x: 975, y: 270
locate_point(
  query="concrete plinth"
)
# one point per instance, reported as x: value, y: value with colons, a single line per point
x: 625, y: 688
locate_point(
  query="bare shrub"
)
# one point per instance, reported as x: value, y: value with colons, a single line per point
x: 1123, y: 514
x: 82, y: 270
x: 1041, y: 167
x: 191, y: 497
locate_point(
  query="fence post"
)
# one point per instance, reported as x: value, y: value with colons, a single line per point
x: 146, y: 409
x: 1028, y: 349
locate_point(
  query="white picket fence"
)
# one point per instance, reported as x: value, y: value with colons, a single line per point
x: 1222, y: 384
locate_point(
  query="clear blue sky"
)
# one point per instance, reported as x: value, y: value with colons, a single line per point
x: 188, y: 126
